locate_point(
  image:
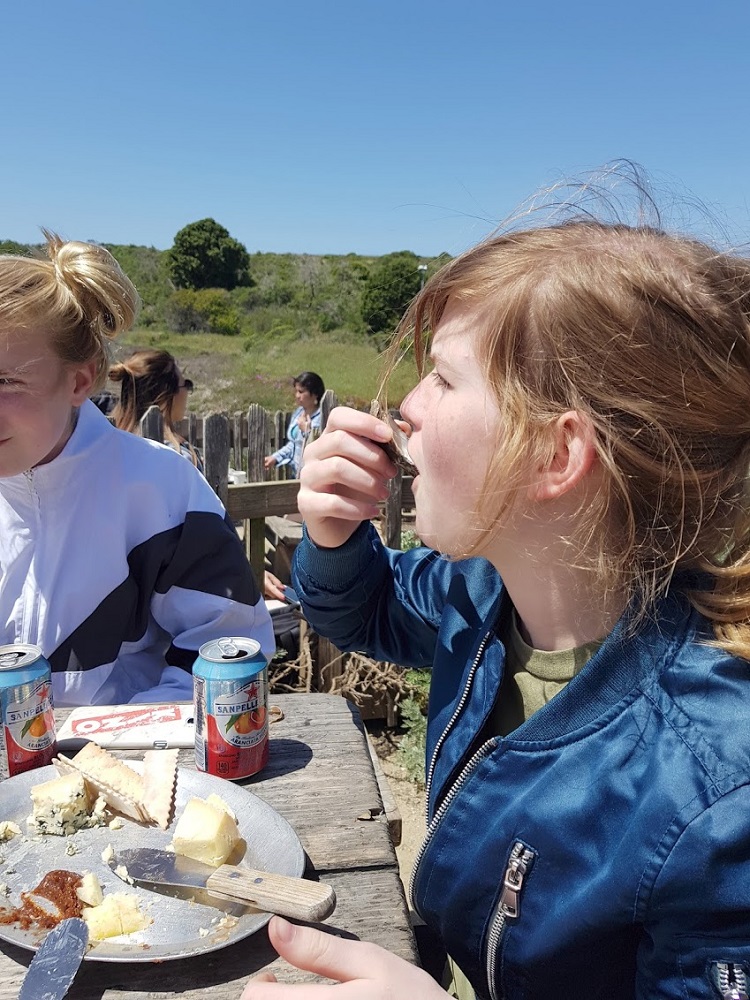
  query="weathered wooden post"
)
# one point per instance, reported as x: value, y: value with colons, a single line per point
x: 327, y: 403
x: 279, y: 422
x: 216, y: 453
x: 238, y: 458
x: 255, y: 529
x: 152, y: 424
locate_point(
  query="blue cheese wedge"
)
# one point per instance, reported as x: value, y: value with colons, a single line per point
x: 63, y: 805
x: 119, y: 785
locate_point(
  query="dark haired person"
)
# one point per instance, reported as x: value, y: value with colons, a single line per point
x: 308, y: 391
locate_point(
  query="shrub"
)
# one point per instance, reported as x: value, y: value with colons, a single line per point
x: 412, y: 749
x: 208, y: 310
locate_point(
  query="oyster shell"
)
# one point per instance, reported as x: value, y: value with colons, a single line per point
x: 397, y: 449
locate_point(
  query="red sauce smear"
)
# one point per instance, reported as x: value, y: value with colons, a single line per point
x: 59, y: 887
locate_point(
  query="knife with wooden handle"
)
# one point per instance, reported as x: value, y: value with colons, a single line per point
x: 298, y: 898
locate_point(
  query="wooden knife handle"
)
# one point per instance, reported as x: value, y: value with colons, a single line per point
x: 298, y: 898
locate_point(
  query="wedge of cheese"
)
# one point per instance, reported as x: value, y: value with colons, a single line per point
x: 119, y: 913
x: 63, y: 805
x: 90, y: 890
x: 206, y: 832
x: 9, y: 830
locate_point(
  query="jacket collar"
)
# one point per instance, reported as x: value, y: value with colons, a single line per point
x: 90, y: 428
x: 629, y: 656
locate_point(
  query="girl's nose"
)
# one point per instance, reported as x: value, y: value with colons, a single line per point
x: 409, y: 408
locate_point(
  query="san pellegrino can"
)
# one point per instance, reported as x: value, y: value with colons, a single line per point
x: 230, y: 681
x: 26, y: 710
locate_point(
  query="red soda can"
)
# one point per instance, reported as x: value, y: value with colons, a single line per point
x: 230, y: 681
x: 27, y: 716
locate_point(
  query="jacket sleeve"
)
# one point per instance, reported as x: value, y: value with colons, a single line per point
x: 285, y: 454
x: 379, y: 601
x: 198, y: 581
x: 697, y: 925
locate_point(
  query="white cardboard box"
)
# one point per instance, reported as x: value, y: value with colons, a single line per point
x: 132, y: 727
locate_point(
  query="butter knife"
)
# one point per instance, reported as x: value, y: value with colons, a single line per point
x: 56, y: 962
x: 298, y: 898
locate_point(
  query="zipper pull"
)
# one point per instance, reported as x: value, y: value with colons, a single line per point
x: 518, y: 865
x: 731, y: 981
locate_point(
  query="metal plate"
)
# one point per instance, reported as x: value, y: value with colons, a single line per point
x: 179, y: 925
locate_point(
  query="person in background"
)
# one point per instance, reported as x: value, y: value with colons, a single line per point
x: 116, y: 556
x: 582, y: 441
x: 105, y: 401
x: 153, y: 378
x: 308, y: 392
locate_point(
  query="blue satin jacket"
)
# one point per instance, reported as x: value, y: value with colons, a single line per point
x: 602, y: 850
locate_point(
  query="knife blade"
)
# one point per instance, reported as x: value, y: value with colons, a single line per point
x: 297, y: 898
x: 56, y: 962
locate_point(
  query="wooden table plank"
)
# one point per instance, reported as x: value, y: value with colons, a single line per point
x: 320, y: 778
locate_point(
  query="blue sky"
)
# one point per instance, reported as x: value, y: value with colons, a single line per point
x: 365, y: 127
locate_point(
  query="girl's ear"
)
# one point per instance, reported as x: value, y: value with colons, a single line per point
x: 83, y: 380
x: 573, y: 457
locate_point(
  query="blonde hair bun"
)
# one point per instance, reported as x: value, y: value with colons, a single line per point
x: 105, y: 295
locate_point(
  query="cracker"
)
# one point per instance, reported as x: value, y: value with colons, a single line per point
x: 119, y: 785
x: 159, y: 779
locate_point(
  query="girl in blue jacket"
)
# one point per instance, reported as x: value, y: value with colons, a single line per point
x: 582, y: 441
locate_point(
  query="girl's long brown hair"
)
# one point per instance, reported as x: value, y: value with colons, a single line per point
x: 146, y: 378
x: 649, y: 335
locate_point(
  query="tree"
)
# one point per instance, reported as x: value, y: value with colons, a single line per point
x: 391, y: 285
x: 16, y: 249
x: 204, y: 255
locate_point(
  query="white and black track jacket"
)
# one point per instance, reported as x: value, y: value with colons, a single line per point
x: 117, y: 558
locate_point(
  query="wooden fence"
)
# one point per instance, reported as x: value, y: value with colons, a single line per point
x: 241, y: 441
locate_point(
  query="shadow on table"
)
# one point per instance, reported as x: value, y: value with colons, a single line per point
x: 285, y: 757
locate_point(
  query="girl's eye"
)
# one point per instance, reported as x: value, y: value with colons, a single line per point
x: 439, y: 380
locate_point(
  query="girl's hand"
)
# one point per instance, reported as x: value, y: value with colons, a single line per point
x: 269, y: 462
x: 364, y: 971
x: 344, y: 476
x: 273, y: 588
x: 303, y: 422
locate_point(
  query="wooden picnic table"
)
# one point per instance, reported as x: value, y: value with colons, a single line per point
x: 320, y: 778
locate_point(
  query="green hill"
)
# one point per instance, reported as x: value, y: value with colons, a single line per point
x: 294, y: 312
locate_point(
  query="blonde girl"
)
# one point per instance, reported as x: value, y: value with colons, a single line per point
x: 115, y: 555
x: 582, y: 441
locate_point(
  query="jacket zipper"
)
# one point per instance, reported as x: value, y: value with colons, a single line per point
x: 480, y: 754
x: 31, y: 605
x: 509, y: 906
x: 731, y: 981
x: 456, y: 713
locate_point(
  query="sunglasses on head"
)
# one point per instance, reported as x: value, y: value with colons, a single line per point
x: 186, y: 384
